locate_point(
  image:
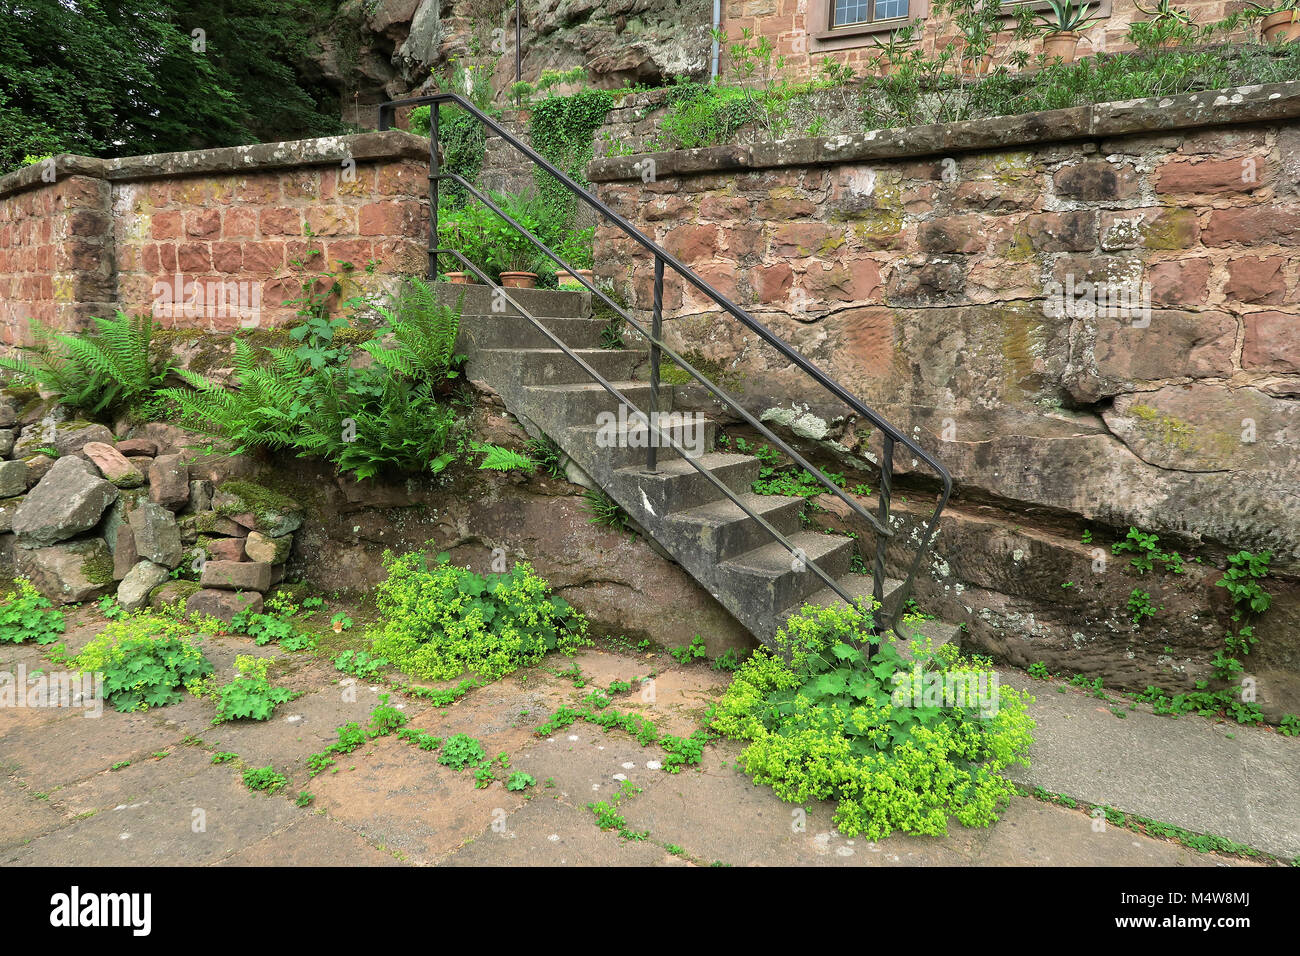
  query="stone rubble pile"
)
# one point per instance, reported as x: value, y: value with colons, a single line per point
x: 83, y: 514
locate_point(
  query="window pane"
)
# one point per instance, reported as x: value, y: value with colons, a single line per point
x: 890, y: 9
x: 853, y: 11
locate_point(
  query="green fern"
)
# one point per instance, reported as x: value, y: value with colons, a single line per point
x: 423, y: 335
x: 604, y: 510
x: 262, y: 411
x: 504, y: 459
x: 389, y: 416
x: 111, y: 368
x: 548, y: 454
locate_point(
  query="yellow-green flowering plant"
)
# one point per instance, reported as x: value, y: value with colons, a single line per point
x: 439, y: 621
x: 900, y: 745
x: 147, y: 661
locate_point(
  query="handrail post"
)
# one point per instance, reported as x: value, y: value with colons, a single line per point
x: 878, y: 568
x: 433, y: 191
x: 656, y: 331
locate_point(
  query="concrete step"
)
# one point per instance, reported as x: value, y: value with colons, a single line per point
x: 722, y: 530
x: 584, y: 402
x: 729, y: 553
x: 771, y: 578
x: 554, y: 367
x: 479, y: 332
x: 480, y: 300
x: 625, y: 444
x: 677, y: 485
x: 859, y: 586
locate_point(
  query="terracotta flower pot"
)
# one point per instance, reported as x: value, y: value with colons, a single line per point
x: 1282, y: 26
x: 564, y: 275
x: 457, y: 278
x: 1062, y: 45
x: 519, y: 280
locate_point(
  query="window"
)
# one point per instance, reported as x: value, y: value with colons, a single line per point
x: 846, y: 13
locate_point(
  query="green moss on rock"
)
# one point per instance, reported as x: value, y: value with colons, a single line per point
x: 98, y: 569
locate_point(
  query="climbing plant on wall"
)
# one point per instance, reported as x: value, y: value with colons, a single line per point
x: 464, y: 146
x: 563, y: 129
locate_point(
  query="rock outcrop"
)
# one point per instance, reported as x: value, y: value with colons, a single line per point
x: 391, y: 48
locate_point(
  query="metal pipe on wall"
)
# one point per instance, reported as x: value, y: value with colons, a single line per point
x: 717, y: 22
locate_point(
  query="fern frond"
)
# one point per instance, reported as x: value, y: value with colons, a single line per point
x: 497, y: 458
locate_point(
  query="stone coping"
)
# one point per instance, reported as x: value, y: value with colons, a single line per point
x: 1239, y: 105
x: 328, y: 150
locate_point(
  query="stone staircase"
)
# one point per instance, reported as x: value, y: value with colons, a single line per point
x: 729, y: 553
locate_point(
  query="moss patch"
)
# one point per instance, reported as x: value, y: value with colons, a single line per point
x: 98, y: 570
x: 256, y: 499
x: 1165, y: 428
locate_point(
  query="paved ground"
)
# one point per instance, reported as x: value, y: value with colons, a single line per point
x: 393, y: 804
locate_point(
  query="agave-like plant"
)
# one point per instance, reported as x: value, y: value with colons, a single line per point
x: 1067, y: 16
x: 112, y: 367
x: 1165, y: 12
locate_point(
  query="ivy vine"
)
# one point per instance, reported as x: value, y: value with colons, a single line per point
x: 464, y: 147
x: 563, y: 129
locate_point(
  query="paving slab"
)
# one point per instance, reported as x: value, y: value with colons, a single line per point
x: 401, y: 799
x: 55, y: 753
x: 502, y: 716
x: 1187, y: 771
x: 1033, y: 833
x: 313, y: 840
x: 193, y: 821
x: 145, y: 776
x: 30, y: 655
x: 24, y: 816
x: 549, y: 832
x: 295, y: 729
x: 584, y: 763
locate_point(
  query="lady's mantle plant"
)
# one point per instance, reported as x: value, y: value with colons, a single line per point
x: 147, y: 661
x: 823, y: 723
x: 439, y: 621
x: 26, y: 615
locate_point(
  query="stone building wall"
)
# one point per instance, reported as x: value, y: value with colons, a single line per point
x: 794, y: 27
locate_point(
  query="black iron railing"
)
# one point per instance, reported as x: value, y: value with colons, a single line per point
x: 889, y: 612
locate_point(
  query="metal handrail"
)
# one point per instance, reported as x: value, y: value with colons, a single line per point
x: 665, y: 349
x: 890, y: 435
x: 642, y: 416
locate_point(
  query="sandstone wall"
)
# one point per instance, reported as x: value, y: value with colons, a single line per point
x: 213, y: 239
x: 793, y: 27
x: 926, y: 269
x: 53, y: 264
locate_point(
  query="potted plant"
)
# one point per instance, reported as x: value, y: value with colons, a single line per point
x: 510, y: 253
x: 1063, y: 27
x: 465, y: 230
x: 575, y: 250
x: 1166, y: 27
x: 1279, y: 22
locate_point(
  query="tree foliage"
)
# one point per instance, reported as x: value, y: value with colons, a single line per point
x: 125, y: 77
